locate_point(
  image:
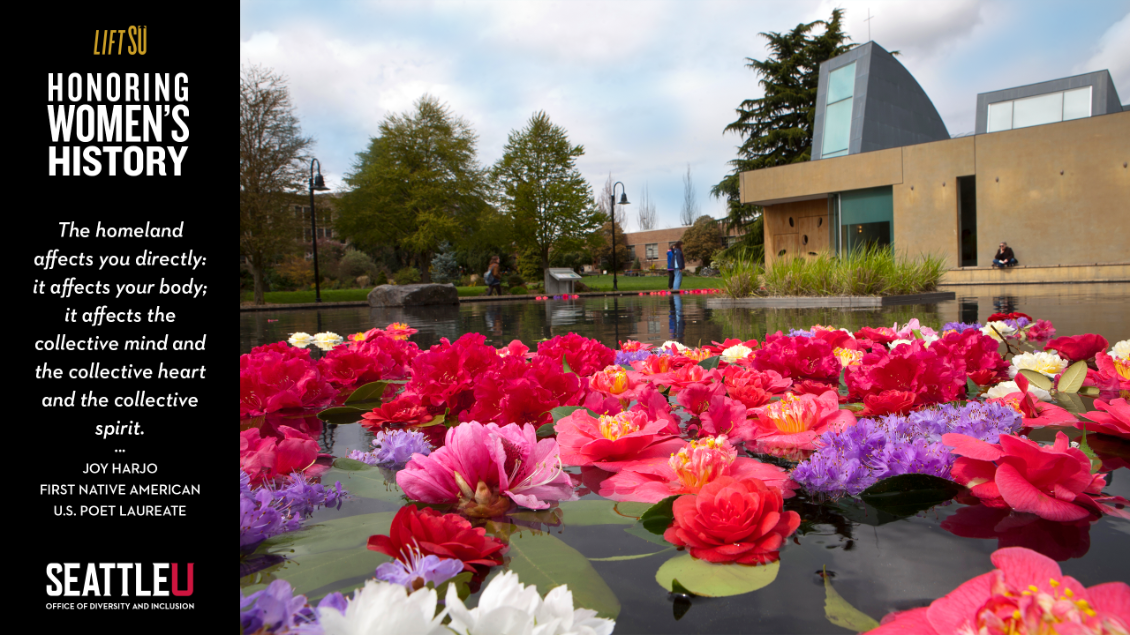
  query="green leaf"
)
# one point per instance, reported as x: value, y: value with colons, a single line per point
x: 908, y: 494
x: 1090, y: 391
x: 437, y: 420
x: 842, y: 614
x: 1072, y: 378
x: 584, y: 513
x: 548, y: 562
x: 1071, y: 402
x: 638, y: 531
x: 715, y: 580
x: 561, y: 412
x: 565, y: 364
x: 627, y: 368
x: 843, y: 388
x: 369, y: 393
x: 1037, y: 378
x: 635, y: 557
x: 659, y: 516
x: 917, y: 334
x: 342, y: 414
x: 547, y: 431
x: 972, y: 390
x: 350, y: 465
x: 710, y: 362
x: 364, y: 481
x: 1085, y: 448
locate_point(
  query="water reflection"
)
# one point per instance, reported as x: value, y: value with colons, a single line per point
x: 677, y: 322
x: 1057, y: 540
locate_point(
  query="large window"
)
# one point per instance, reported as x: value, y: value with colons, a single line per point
x: 837, y: 111
x: 652, y: 250
x: 865, y: 218
x: 1041, y: 109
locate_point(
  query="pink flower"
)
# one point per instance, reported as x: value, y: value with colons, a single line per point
x: 797, y: 421
x: 612, y: 439
x: 632, y: 346
x: 267, y: 458
x: 277, y: 377
x: 444, y: 377
x: 1078, y: 347
x: 377, y: 357
x: 405, y: 410
x: 983, y: 361
x: 585, y: 356
x: 656, y: 407
x: 1114, y: 418
x: 1027, y: 594
x: 482, y: 468
x: 1037, y: 414
x: 654, y: 368
x: 688, y: 470
x: 687, y: 376
x: 1114, y: 372
x: 616, y: 382
x: 726, y: 416
x: 798, y: 358
x: 932, y: 374
x: 696, y: 397
x: 1040, y: 331
x: 753, y: 387
x: 732, y: 520
x: 1052, y: 482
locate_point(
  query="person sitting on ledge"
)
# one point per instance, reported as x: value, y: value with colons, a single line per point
x: 1004, y: 257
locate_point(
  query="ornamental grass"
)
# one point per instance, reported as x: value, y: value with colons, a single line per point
x: 869, y: 271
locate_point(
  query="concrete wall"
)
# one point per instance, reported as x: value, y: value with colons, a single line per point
x: 1035, y: 275
x: 1081, y: 216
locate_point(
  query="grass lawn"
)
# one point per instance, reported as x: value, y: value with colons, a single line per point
x: 647, y: 283
x: 299, y: 297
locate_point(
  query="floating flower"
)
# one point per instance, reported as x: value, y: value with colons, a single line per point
x: 796, y: 421
x: 609, y: 440
x: 617, y: 382
x: 798, y: 358
x: 508, y: 607
x: 1121, y: 350
x: 732, y: 520
x: 426, y: 532
x: 482, y: 468
x: 628, y: 358
x: 415, y: 570
x: 848, y: 357
x: 873, y: 449
x: 1047, y: 364
x: 653, y: 365
x: 271, y: 379
x: 674, y: 346
x: 998, y: 330
x: 934, y: 375
x: 400, y: 331
x: 736, y: 352
x: 632, y: 346
x: 983, y: 361
x: 301, y: 339
x: 1006, y: 388
x: 1113, y: 372
x: 959, y: 327
x: 327, y: 337
x: 276, y: 609
x: 688, y: 470
x: 1040, y: 331
x: 394, y: 448
x: 267, y: 458
x: 1052, y: 482
x: 405, y: 410
x: 1110, y: 418
x: 382, y: 608
x: 1078, y: 347
x: 1037, y: 414
x: 585, y: 356
x: 753, y: 388
x: 1026, y: 594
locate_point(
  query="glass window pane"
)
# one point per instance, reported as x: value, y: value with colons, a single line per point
x: 1000, y: 116
x: 1077, y: 103
x: 841, y: 83
x: 837, y: 127
x: 1034, y: 111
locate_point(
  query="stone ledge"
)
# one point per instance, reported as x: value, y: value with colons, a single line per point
x: 847, y: 302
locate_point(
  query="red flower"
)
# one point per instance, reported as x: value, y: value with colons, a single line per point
x: 753, y: 387
x: 1040, y: 331
x: 730, y: 520
x: 278, y: 376
x: 877, y: 335
x: 983, y: 361
x: 612, y: 439
x: 445, y: 375
x: 267, y: 458
x: 888, y: 402
x: 405, y: 410
x: 1026, y: 593
x: 696, y: 397
x: 585, y: 356
x: 1078, y: 347
x: 1015, y: 315
x: 1052, y: 482
x: 443, y: 535
x: 1113, y: 373
x: 1114, y: 418
x: 798, y: 358
x: 728, y: 417
x: 373, y: 359
x: 688, y: 375
x: 1037, y: 414
x: 932, y: 374
x: 716, y: 348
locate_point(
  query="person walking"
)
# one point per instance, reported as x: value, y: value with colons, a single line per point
x: 494, y: 277
x: 677, y: 257
x: 670, y: 266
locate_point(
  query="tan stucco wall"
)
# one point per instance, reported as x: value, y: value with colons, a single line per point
x: 1079, y: 217
x: 1030, y: 275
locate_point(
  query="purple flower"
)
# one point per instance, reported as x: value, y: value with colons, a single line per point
x: 800, y: 333
x: 960, y: 326
x: 626, y: 358
x: 873, y: 449
x: 267, y: 512
x: 419, y: 570
x: 394, y: 448
x: 276, y: 609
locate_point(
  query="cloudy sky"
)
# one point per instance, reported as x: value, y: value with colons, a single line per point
x: 646, y: 87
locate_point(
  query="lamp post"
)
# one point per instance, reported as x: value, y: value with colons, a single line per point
x: 623, y: 201
x: 316, y: 184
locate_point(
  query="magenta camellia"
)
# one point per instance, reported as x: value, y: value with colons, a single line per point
x: 1078, y: 347
x: 1027, y: 594
x: 796, y: 421
x: 264, y: 459
x: 482, y: 468
x: 732, y: 520
x: 276, y: 377
x: 1110, y: 418
x: 798, y: 358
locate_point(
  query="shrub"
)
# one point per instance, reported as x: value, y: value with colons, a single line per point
x: 407, y: 275
x: 515, y: 280
x: 444, y: 268
x: 518, y: 290
x: 380, y: 278
x: 355, y: 263
x: 295, y: 272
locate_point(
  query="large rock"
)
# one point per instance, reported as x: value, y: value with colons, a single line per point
x: 413, y: 295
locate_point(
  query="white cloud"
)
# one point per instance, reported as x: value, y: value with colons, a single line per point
x: 1113, y: 54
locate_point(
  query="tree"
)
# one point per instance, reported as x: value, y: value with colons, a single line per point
x: 777, y: 128
x: 542, y: 190
x: 702, y: 240
x: 603, y: 250
x: 272, y: 165
x: 417, y: 186
x: 646, y: 214
x: 690, y: 209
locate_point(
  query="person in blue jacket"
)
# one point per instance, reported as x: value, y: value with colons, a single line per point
x: 676, y: 259
x: 671, y: 266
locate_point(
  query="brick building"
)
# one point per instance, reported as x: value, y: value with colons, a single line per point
x: 650, y: 247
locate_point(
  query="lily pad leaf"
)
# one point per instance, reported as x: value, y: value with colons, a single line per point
x: 709, y: 579
x: 659, y: 516
x: 638, y: 531
x: 1037, y: 379
x: 342, y: 414
x: 1072, y: 378
x: 840, y: 613
x: 584, y: 513
x: 368, y: 393
x: 546, y: 561
x: 635, y: 557
x: 710, y: 363
x: 908, y: 494
x: 364, y: 481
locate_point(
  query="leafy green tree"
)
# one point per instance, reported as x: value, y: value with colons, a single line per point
x: 417, y: 186
x: 777, y: 128
x: 549, y: 202
x: 603, y: 250
x: 702, y: 240
x: 272, y: 167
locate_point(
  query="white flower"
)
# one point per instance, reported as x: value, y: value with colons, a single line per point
x: 508, y: 607
x: 672, y: 344
x: 327, y: 337
x: 381, y: 607
x: 895, y: 343
x: 1121, y: 350
x: 1006, y: 388
x: 997, y: 330
x: 300, y: 339
x: 1047, y: 364
x: 733, y: 354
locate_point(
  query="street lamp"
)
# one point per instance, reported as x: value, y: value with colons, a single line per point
x: 623, y: 201
x: 316, y: 184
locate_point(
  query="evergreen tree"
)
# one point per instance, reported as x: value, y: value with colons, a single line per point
x: 777, y: 128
